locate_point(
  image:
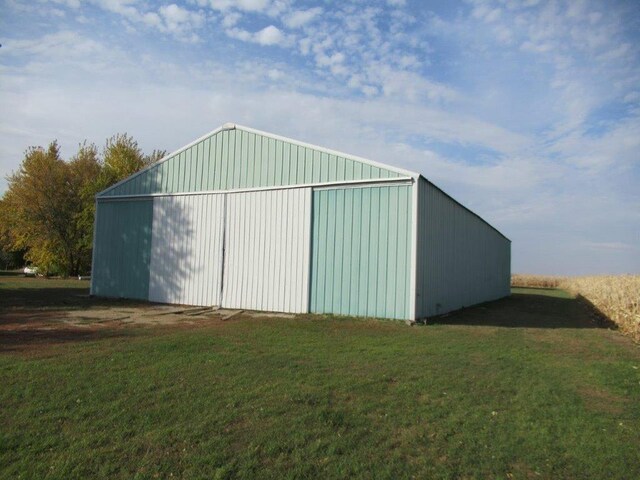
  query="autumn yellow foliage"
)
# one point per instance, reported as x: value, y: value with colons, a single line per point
x: 616, y: 296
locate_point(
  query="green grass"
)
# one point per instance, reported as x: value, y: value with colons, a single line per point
x: 520, y: 388
x: 18, y: 292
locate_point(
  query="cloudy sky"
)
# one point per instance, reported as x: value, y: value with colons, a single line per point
x: 528, y: 112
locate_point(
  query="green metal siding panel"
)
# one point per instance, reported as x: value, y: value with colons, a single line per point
x: 461, y: 260
x: 233, y: 159
x: 122, y: 249
x: 361, y: 247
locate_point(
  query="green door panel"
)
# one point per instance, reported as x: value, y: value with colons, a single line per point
x: 361, y: 250
x: 122, y: 249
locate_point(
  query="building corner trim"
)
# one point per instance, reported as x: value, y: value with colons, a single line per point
x: 414, y: 250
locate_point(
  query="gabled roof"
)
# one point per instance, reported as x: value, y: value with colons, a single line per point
x: 227, y: 153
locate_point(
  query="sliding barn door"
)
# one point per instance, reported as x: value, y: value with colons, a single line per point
x: 187, y: 249
x: 267, y: 250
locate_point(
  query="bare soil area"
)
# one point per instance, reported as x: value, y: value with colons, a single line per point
x: 36, y: 312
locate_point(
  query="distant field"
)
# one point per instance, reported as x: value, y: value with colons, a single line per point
x: 616, y: 297
x: 526, y: 387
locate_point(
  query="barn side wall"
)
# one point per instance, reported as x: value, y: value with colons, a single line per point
x: 461, y: 261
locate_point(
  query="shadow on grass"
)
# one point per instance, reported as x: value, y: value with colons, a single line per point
x: 530, y: 310
x: 36, y: 339
x: 57, y: 298
x: 542, y: 289
x: 11, y: 273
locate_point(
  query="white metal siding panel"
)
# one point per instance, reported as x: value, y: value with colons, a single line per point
x: 267, y: 250
x: 186, y: 250
x: 462, y: 260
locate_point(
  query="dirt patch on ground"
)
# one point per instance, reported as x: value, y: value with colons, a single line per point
x: 602, y: 401
x: 25, y: 329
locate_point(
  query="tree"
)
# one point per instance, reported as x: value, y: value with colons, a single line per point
x: 85, y: 169
x: 38, y: 209
x: 9, y: 257
x: 122, y: 157
x: 49, y: 207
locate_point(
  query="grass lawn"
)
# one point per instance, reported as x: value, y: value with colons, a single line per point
x: 525, y: 387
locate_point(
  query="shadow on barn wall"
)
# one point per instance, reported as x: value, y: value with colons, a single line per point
x: 178, y: 250
x: 122, y: 246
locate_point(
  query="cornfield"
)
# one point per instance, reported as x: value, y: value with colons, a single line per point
x: 616, y: 296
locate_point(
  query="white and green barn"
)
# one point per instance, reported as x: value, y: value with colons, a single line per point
x: 245, y: 219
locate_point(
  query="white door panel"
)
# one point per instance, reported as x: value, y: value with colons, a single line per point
x: 186, y: 249
x: 267, y: 250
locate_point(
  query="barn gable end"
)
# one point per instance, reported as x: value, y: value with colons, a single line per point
x: 234, y: 157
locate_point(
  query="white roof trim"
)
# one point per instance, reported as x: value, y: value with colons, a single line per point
x: 235, y: 126
x: 370, y: 182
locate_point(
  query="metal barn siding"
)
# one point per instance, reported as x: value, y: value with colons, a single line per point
x: 247, y: 219
x: 186, y: 249
x: 239, y: 158
x: 122, y: 246
x: 267, y: 250
x: 462, y: 260
x: 361, y: 248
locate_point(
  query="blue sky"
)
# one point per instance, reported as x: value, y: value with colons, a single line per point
x: 527, y: 112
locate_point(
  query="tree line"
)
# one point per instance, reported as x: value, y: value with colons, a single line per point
x: 47, y: 211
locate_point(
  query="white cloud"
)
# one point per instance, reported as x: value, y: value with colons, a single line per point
x: 179, y: 20
x: 486, y: 13
x: 64, y: 43
x: 369, y: 90
x: 240, y: 34
x: 268, y: 36
x: 324, y: 60
x: 275, y: 74
x: 182, y: 23
x: 246, y: 5
x: 611, y: 245
x: 378, y: 46
x: 410, y: 86
x: 230, y: 19
x: 125, y: 8
x: 537, y: 47
x: 300, y: 18
x: 152, y: 19
x: 68, y: 3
